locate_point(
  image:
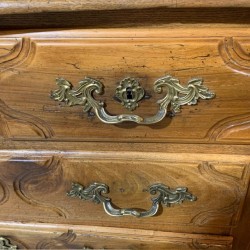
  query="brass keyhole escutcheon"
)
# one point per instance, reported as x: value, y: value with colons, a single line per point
x: 129, y: 93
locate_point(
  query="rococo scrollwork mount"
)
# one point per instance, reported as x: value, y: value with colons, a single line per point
x: 175, y: 97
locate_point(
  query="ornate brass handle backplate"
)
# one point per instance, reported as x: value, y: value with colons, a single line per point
x: 5, y: 244
x: 166, y: 197
x: 176, y: 96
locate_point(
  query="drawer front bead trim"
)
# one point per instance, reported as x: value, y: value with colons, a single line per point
x: 166, y: 197
x: 176, y: 96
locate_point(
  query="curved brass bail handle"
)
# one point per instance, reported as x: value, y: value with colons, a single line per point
x: 176, y: 96
x: 166, y: 197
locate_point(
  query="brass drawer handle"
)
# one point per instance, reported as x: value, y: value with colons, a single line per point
x: 176, y: 96
x: 166, y: 197
x: 6, y: 244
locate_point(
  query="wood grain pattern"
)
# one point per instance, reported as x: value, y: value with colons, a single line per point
x: 240, y: 233
x: 64, y: 240
x: 109, y: 59
x: 233, y: 183
x: 45, y: 146
x: 25, y: 182
x: 150, y: 17
x: 60, y: 237
x: 220, y: 188
x: 10, y: 149
x: 16, y: 124
x: 26, y: 124
x: 25, y: 6
x: 35, y: 177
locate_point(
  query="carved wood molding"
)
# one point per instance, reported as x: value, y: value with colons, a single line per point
x: 41, y: 128
x: 234, y: 184
x: 23, y: 51
x: 4, y: 192
x: 48, y: 177
x: 224, y: 129
x: 63, y: 240
x: 196, y: 244
x: 67, y: 241
x: 38, y: 185
x: 234, y: 55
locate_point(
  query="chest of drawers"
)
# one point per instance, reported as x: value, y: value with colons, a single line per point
x: 149, y: 123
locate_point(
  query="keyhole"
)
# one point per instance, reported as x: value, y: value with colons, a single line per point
x: 129, y: 93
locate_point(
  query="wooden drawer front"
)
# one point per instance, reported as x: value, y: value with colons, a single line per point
x: 31, y: 65
x: 35, y: 189
x: 57, y: 237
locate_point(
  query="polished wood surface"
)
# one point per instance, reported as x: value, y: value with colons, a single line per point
x: 39, y: 185
x: 34, y: 62
x: 241, y: 235
x: 25, y: 6
x: 46, y: 146
x: 35, y: 236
